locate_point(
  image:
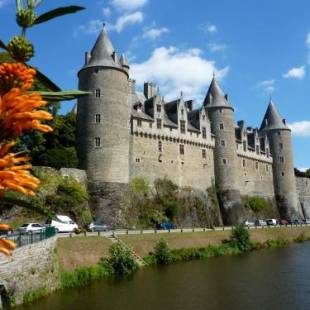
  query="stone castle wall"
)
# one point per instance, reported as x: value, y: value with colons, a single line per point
x: 303, y: 191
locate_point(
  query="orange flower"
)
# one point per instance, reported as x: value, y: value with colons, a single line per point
x: 14, y: 173
x: 6, y: 246
x: 15, y: 75
x: 18, y: 113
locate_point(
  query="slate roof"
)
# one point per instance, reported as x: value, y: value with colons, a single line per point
x: 102, y: 53
x: 272, y: 119
x: 215, y: 96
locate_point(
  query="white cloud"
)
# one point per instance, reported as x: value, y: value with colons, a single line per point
x: 214, y: 47
x: 154, y: 33
x: 302, y: 169
x: 93, y: 27
x: 268, y: 86
x: 301, y: 129
x: 295, y: 73
x: 106, y: 12
x: 125, y: 20
x: 128, y: 5
x: 211, y: 29
x: 174, y: 71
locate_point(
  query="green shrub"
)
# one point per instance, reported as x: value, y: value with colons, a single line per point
x: 301, y: 238
x: 34, y: 295
x: 240, y: 237
x: 162, y: 252
x: 120, y: 261
x: 86, y: 216
x: 258, y: 204
x: 139, y: 185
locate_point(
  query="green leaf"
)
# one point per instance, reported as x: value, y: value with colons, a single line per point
x: 19, y: 5
x: 45, y: 81
x: 57, y: 12
x: 63, y: 95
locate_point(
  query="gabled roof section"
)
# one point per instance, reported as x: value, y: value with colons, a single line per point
x: 194, y: 118
x: 103, y: 53
x: 215, y: 97
x: 272, y: 119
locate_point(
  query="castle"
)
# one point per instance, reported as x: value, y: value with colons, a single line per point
x: 123, y: 134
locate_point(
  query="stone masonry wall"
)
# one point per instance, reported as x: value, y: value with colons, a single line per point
x: 31, y: 268
x: 303, y: 191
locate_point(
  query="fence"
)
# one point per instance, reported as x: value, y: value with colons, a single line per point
x: 22, y: 239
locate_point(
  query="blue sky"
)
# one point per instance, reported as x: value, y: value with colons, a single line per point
x: 257, y: 48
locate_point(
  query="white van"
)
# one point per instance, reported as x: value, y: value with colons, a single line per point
x: 63, y: 223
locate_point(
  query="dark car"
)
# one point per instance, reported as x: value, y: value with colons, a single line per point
x: 166, y: 226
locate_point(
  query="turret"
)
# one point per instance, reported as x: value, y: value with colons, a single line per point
x: 103, y: 116
x: 279, y: 135
x: 222, y: 126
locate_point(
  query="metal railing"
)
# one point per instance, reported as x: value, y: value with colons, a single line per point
x: 22, y: 239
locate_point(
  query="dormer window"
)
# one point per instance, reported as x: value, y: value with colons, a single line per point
x: 182, y: 125
x: 257, y: 149
x: 203, y: 117
x: 158, y: 108
x: 244, y: 146
x: 158, y: 122
x: 182, y: 112
x: 98, y: 93
x: 139, y: 122
x: 204, y: 133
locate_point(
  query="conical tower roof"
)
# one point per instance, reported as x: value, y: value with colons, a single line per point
x: 216, y: 97
x: 103, y: 53
x: 272, y: 119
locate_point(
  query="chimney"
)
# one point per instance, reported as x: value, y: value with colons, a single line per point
x: 149, y: 90
x: 87, y: 57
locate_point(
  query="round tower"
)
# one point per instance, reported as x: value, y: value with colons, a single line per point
x: 225, y: 156
x: 279, y: 135
x: 103, y: 116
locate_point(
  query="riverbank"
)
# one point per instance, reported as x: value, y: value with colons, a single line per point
x: 78, y: 258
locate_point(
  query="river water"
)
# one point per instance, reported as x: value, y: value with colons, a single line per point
x: 266, y: 279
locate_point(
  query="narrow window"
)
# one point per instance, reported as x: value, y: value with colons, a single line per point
x: 222, y: 142
x: 281, y: 145
x: 204, y: 154
x: 243, y: 162
x: 257, y: 149
x: 267, y: 152
x: 97, y: 142
x: 204, y: 133
x: 139, y: 122
x: 158, y: 108
x: 98, y: 118
x: 181, y: 149
x: 256, y: 165
x: 224, y: 161
x: 221, y: 111
x: 244, y: 146
x: 158, y: 122
x: 279, y: 133
x: 267, y: 168
x: 221, y: 126
x: 281, y: 158
x: 282, y: 174
x: 150, y: 125
x: 97, y: 93
x: 182, y: 125
x: 182, y: 112
x: 203, y: 117
x: 160, y: 146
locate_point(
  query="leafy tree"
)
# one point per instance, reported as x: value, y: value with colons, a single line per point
x: 240, y: 237
x: 162, y: 253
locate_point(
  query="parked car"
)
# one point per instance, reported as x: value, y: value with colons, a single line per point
x: 249, y: 223
x: 63, y: 223
x: 283, y: 222
x: 96, y: 226
x: 260, y: 223
x: 271, y: 222
x: 166, y: 226
x: 306, y: 221
x: 31, y: 227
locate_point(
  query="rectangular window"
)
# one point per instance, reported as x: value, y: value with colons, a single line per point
x: 158, y: 108
x: 97, y: 93
x: 204, y: 132
x: 281, y: 158
x: 158, y: 122
x: 224, y: 161
x: 257, y: 149
x: 221, y: 126
x: 150, y: 125
x: 181, y: 149
x: 98, y: 118
x: 267, y: 168
x: 267, y: 152
x: 97, y: 142
x: 243, y: 162
x: 281, y: 145
x: 222, y: 142
x: 204, y: 154
x: 139, y: 122
x: 160, y: 146
x: 256, y: 165
x: 244, y: 146
x: 182, y: 125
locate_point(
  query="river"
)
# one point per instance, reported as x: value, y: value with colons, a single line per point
x: 266, y: 279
